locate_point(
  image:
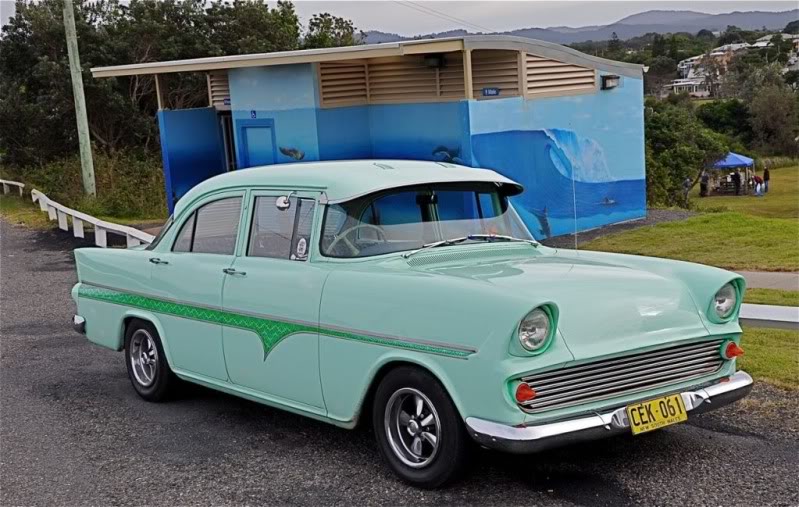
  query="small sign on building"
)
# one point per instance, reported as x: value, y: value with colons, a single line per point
x: 490, y: 92
x: 253, y: 115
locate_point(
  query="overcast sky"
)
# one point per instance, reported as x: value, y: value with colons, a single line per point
x: 405, y: 18
x: 408, y: 18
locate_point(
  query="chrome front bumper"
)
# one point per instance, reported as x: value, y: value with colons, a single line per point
x: 529, y: 439
x: 79, y: 324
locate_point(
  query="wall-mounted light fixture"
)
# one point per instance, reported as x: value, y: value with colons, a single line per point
x: 435, y: 61
x: 610, y: 81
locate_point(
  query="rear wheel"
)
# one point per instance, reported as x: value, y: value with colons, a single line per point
x: 146, y: 362
x: 419, y: 431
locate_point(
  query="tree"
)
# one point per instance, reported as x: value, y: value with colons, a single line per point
x: 678, y: 146
x: 729, y: 117
x: 705, y: 34
x: 37, y: 122
x: 614, y: 44
x: 774, y: 120
x: 658, y: 45
x: 792, y: 27
x: 325, y: 31
x: 731, y: 35
x: 661, y: 71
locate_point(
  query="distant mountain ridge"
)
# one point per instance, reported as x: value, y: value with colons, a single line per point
x: 658, y: 21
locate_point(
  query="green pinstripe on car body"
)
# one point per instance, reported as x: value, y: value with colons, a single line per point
x: 270, y: 330
x: 312, y: 335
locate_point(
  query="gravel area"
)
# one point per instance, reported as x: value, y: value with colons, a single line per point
x: 653, y: 217
x: 73, y: 432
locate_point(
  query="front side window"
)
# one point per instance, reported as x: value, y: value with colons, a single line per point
x: 281, y: 233
x: 409, y: 218
x: 213, y: 228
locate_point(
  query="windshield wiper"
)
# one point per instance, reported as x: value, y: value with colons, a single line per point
x: 470, y: 237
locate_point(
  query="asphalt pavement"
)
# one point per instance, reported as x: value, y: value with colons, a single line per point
x: 73, y: 432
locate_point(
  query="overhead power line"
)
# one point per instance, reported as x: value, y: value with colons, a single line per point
x: 442, y: 15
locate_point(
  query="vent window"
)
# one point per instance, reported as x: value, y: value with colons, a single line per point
x: 551, y: 77
x: 342, y: 83
x: 495, y: 73
x: 219, y: 90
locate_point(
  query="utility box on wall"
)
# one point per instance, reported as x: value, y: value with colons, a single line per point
x: 542, y: 114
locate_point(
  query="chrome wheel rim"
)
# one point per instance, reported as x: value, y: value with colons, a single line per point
x: 143, y: 357
x: 412, y: 427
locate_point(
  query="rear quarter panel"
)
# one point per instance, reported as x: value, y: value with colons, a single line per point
x: 116, y: 268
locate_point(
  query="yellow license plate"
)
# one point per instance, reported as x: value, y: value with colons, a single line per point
x: 655, y: 414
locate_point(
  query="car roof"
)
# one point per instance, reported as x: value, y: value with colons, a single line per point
x: 346, y: 179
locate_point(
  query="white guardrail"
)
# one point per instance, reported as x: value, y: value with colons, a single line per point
x: 8, y: 184
x: 56, y: 211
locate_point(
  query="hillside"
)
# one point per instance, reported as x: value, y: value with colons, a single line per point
x: 657, y: 21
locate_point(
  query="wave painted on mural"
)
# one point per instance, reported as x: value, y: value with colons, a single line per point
x: 578, y: 156
x: 543, y: 161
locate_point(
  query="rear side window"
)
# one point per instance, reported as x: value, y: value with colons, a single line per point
x: 213, y: 228
x: 281, y: 234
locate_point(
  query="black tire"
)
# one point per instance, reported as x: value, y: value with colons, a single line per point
x: 160, y: 384
x: 448, y: 458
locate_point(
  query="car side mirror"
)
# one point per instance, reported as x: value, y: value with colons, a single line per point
x: 283, y: 202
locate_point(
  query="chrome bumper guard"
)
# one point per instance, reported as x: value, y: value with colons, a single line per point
x: 79, y: 324
x: 529, y: 439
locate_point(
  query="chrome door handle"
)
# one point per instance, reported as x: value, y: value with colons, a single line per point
x: 231, y: 271
x: 156, y: 260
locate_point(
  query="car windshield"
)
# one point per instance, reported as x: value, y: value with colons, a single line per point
x: 410, y: 218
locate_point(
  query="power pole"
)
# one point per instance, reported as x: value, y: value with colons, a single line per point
x: 86, y: 163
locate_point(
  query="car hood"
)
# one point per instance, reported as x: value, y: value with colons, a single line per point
x: 605, y: 307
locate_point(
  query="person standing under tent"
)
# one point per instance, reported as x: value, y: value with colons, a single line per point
x: 736, y: 180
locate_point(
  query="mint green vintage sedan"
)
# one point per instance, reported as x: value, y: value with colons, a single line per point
x: 411, y: 295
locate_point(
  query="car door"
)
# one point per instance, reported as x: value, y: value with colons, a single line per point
x: 188, y: 279
x: 275, y: 349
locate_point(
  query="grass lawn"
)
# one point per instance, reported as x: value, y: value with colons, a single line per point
x: 772, y: 297
x: 771, y: 355
x: 743, y: 232
x: 782, y: 200
x: 728, y: 240
x: 18, y: 210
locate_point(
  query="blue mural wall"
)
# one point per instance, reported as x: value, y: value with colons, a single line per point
x: 581, y: 158
x: 281, y: 98
x: 191, y: 147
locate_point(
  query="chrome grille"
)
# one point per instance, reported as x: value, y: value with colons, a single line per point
x: 620, y: 376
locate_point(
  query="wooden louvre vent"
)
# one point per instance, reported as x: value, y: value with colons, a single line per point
x: 342, y: 83
x: 391, y: 80
x: 495, y: 73
x: 545, y: 76
x: 219, y: 90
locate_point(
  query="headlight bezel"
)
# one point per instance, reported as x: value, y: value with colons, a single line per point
x: 551, y: 312
x: 711, y: 311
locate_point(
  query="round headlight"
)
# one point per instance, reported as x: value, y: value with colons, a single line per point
x: 534, y: 329
x: 725, y: 300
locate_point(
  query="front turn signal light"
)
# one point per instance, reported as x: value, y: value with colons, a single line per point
x: 524, y: 393
x: 731, y: 350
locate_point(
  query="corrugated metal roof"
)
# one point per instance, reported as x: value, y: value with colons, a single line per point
x: 540, y: 48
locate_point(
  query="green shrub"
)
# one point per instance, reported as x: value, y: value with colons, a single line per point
x: 775, y: 162
x: 128, y: 185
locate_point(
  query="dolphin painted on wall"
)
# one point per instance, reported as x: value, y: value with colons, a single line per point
x: 292, y: 153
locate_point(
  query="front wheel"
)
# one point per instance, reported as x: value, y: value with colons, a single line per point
x: 419, y: 431
x: 146, y: 362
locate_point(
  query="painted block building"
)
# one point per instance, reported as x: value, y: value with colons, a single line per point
x: 566, y: 125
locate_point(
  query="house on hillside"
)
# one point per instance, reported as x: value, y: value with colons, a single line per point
x: 693, y: 71
x: 566, y: 125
